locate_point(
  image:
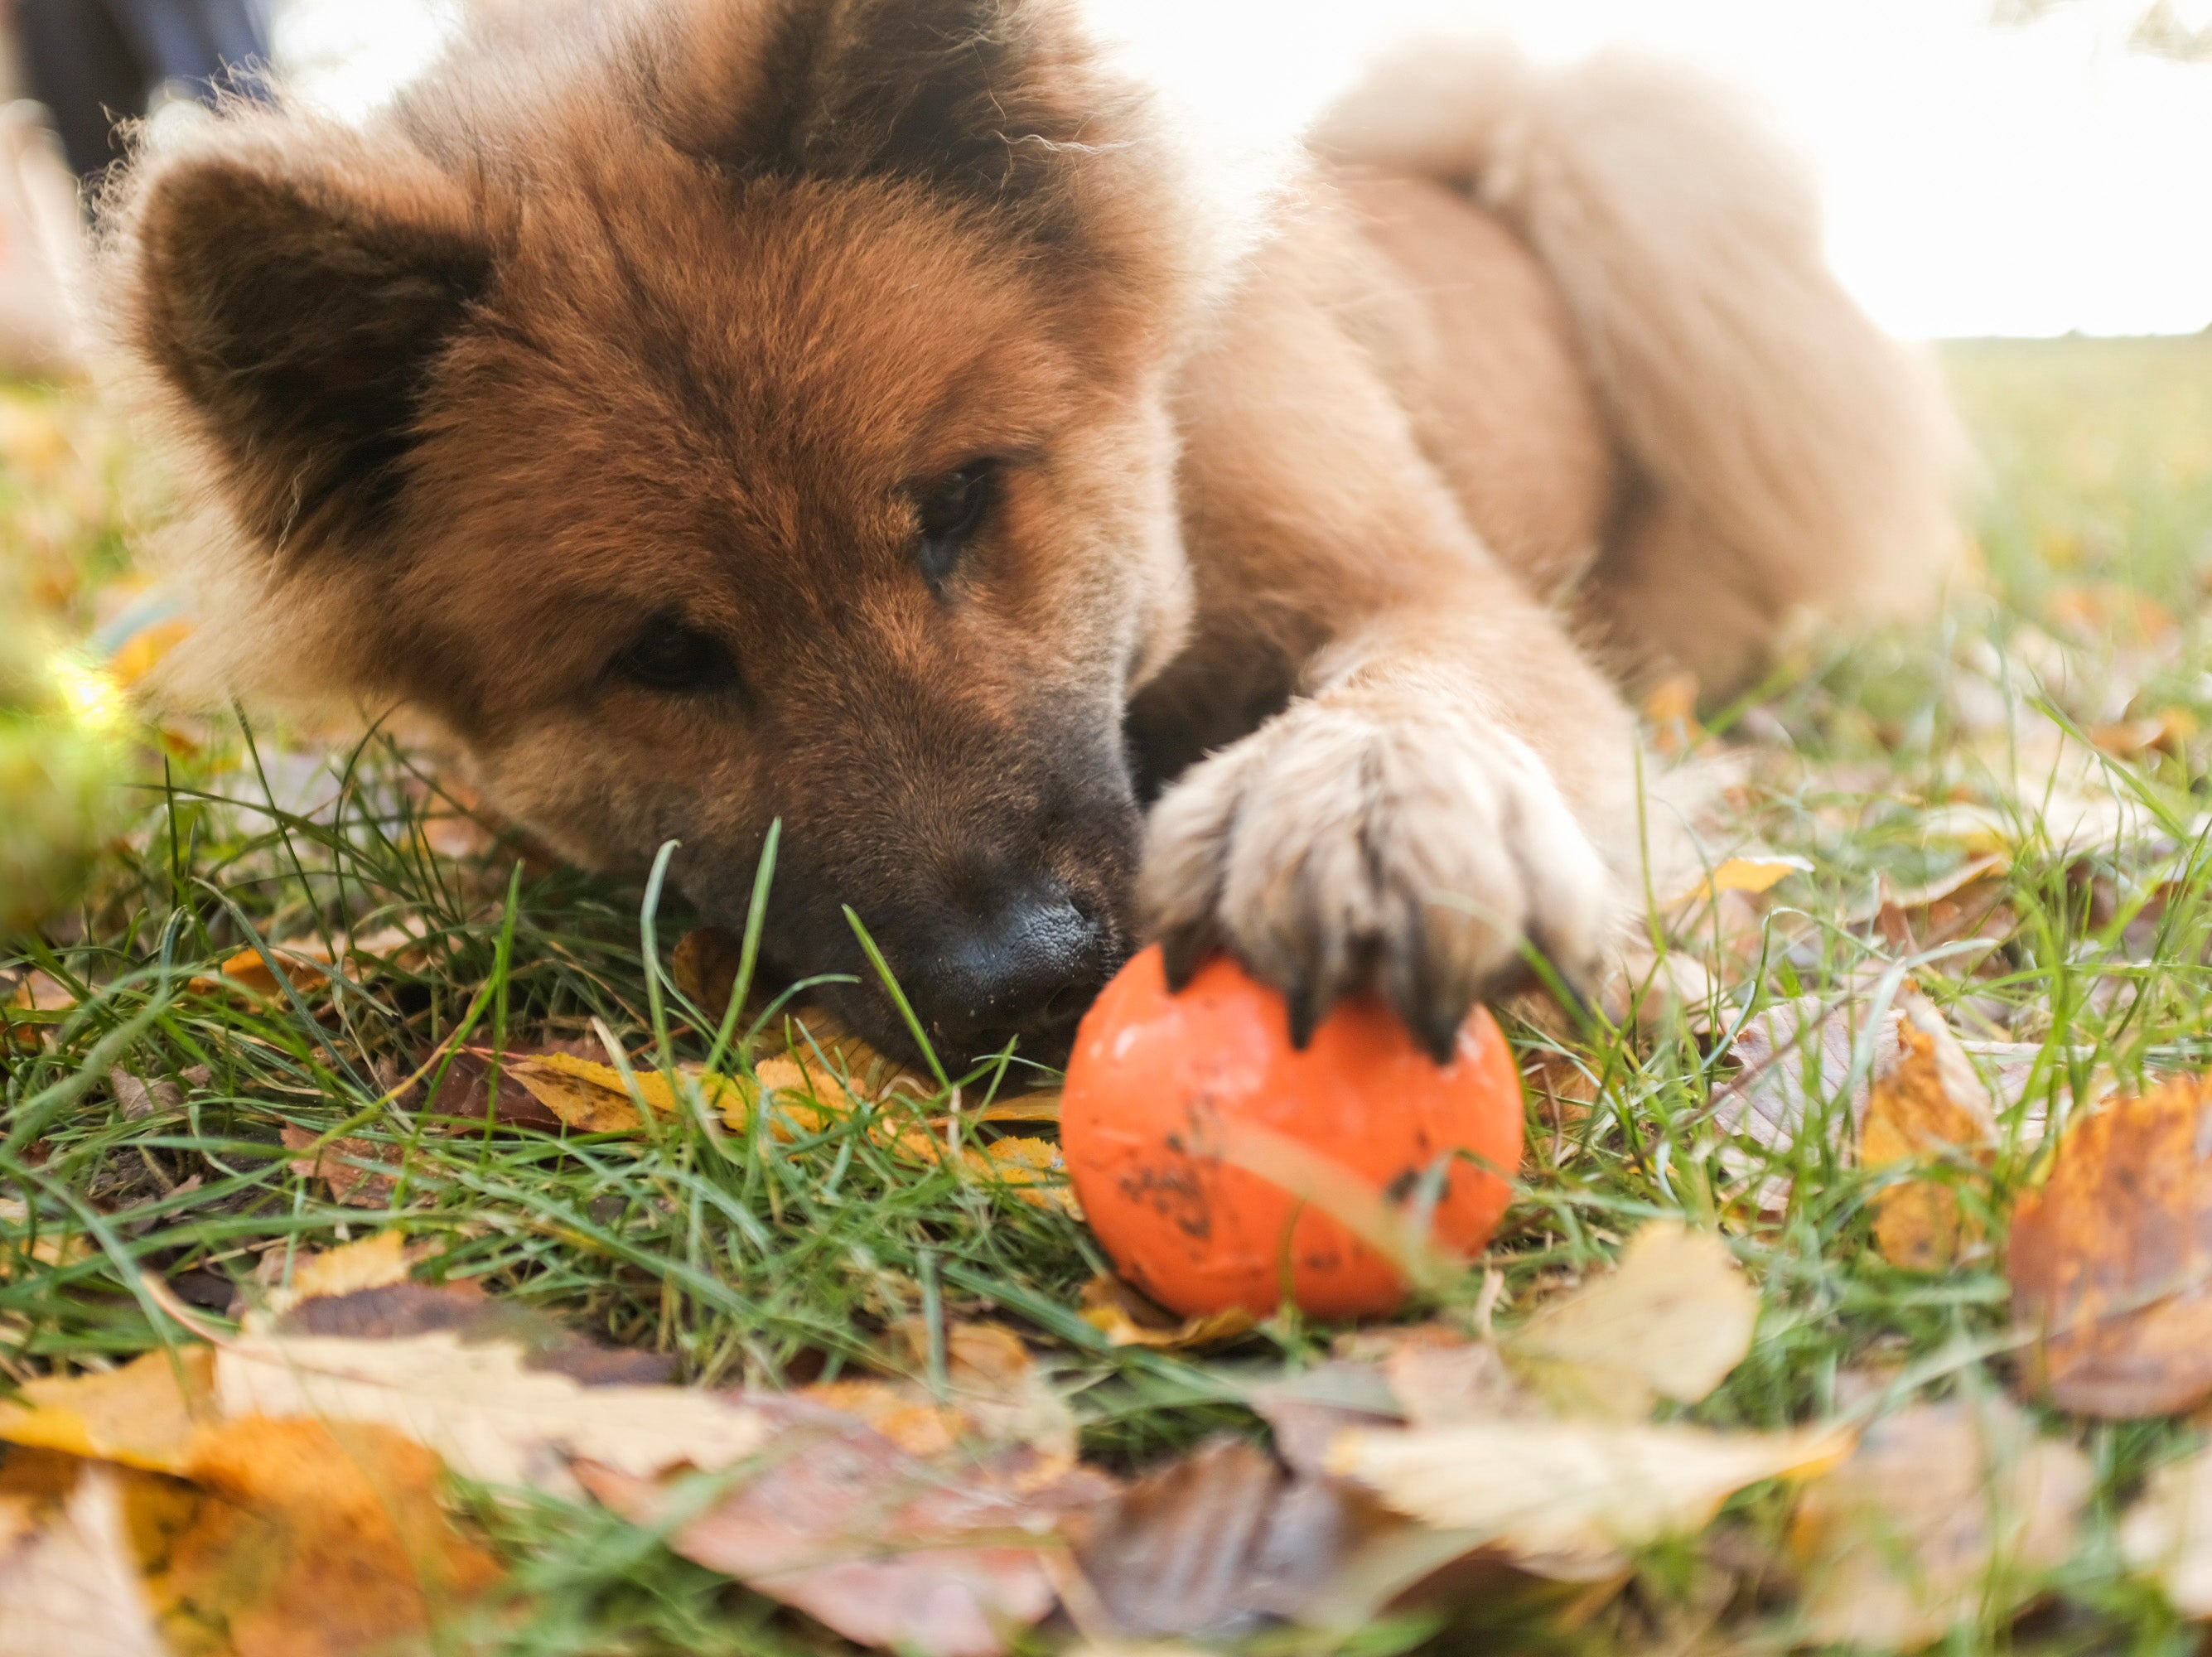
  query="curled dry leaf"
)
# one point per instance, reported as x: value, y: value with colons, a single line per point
x: 1127, y: 1318
x: 482, y: 1406
x: 2110, y: 1259
x: 2167, y: 1533
x: 1669, y: 1321
x: 72, y: 1584
x: 1222, y: 1541
x: 1799, y: 1073
x: 1570, y: 1499
x: 1944, y: 1511
x: 1928, y: 1107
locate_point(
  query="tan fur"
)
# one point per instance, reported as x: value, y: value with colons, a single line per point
x: 1789, y: 456
x: 647, y: 332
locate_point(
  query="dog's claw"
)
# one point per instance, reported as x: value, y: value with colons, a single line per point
x: 1182, y: 951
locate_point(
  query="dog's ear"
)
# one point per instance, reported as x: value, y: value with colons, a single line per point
x: 296, y: 291
x: 994, y: 99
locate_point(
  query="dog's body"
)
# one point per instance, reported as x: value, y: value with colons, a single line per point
x: 838, y: 411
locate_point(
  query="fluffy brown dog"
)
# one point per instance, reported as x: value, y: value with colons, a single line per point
x: 846, y: 412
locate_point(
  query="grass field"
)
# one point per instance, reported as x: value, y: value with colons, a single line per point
x: 2053, y: 717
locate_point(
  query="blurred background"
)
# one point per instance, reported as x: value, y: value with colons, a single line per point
x: 2021, y: 167
x: 2025, y: 182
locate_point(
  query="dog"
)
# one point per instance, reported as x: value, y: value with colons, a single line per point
x: 857, y: 415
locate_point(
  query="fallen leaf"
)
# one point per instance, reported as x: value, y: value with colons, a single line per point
x: 1571, y: 1499
x: 1751, y: 874
x: 73, y: 1586
x: 1033, y: 1170
x: 2167, y: 1533
x: 1670, y: 707
x: 592, y: 1098
x: 2110, y: 1258
x: 1800, y: 1067
x: 140, y: 1099
x: 1944, y: 1511
x: 338, y: 1164
x: 1223, y: 1541
x: 1127, y: 1318
x: 38, y: 991
x: 308, y: 962
x: 2064, y: 820
x: 994, y: 1384
x: 1308, y: 1410
x: 388, y: 1311
x: 371, y: 1263
x: 1669, y: 1321
x: 142, y: 1415
x: 481, y: 1406
x: 878, y: 1545
x: 327, y: 1540
x: 1928, y: 1105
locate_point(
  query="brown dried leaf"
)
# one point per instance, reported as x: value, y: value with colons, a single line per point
x: 1222, y: 1540
x: 1571, y: 1499
x: 1127, y: 1318
x: 1929, y: 1105
x: 338, y: 1163
x: 1945, y: 1510
x: 879, y: 1545
x: 2110, y: 1259
x: 72, y: 1585
x: 1669, y: 1321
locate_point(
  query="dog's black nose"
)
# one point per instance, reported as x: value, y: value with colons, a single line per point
x: 1025, y: 971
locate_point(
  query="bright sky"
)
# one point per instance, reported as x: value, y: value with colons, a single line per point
x: 1979, y: 179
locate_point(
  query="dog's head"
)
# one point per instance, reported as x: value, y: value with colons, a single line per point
x: 723, y: 412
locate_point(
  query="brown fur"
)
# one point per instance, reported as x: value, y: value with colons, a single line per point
x: 654, y: 321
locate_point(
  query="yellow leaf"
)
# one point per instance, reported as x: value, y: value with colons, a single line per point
x: 1927, y: 1105
x: 140, y: 1416
x: 1752, y: 874
x: 1127, y: 1319
x: 376, y: 1262
x: 139, y: 654
x: 1669, y: 1321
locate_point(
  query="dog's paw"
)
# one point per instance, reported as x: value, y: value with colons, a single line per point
x: 1336, y: 850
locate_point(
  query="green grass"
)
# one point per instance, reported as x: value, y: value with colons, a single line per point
x: 755, y: 1260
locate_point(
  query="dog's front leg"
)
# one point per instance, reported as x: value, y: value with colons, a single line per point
x: 1456, y: 784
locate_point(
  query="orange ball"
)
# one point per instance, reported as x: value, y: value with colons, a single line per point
x: 1173, y: 1101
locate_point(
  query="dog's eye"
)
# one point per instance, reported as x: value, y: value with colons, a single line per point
x: 674, y: 658
x: 949, y: 509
